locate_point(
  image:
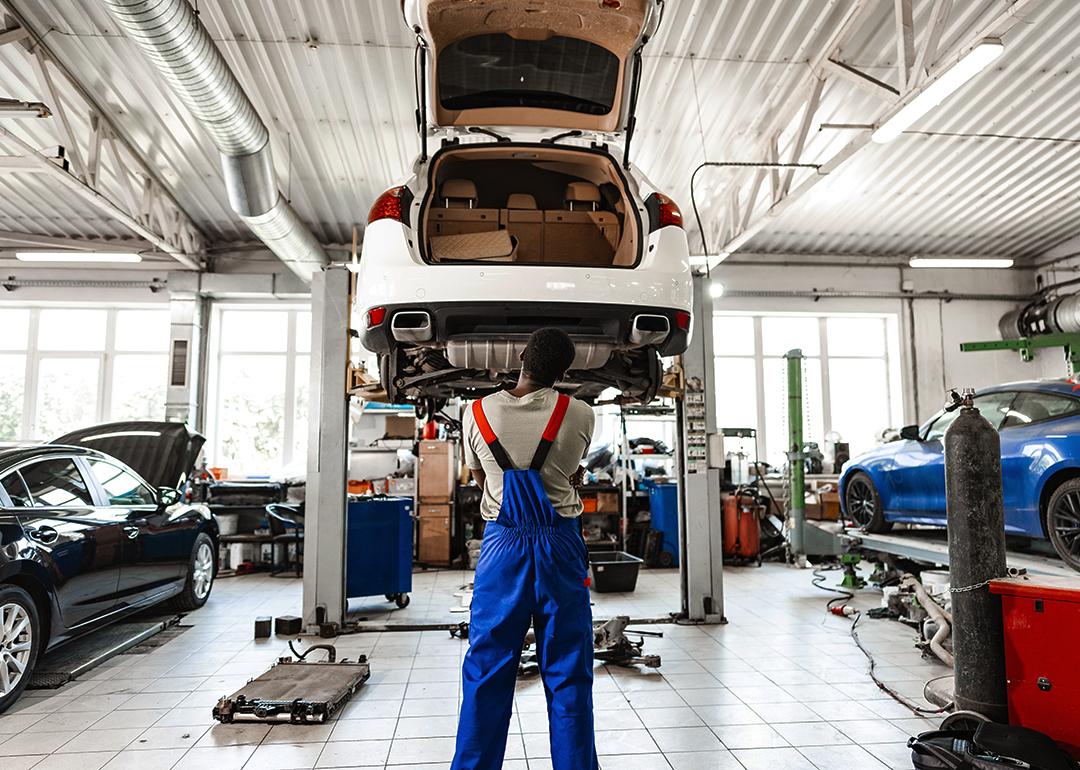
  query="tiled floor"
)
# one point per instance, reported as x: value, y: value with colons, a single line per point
x: 781, y: 687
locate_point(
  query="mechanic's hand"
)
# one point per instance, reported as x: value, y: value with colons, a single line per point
x: 577, y: 478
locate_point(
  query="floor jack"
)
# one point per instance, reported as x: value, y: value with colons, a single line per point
x: 852, y: 580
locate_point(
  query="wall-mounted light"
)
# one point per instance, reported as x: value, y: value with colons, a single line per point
x: 716, y: 289
x: 990, y: 262
x: 967, y: 67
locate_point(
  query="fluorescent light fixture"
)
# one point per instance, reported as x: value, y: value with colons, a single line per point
x: 78, y: 256
x: 716, y: 289
x: 991, y: 262
x: 970, y: 65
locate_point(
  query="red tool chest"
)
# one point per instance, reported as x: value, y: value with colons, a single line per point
x: 1042, y: 626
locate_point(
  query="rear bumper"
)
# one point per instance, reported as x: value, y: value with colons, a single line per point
x: 517, y: 320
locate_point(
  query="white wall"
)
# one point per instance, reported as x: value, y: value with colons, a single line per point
x: 931, y: 329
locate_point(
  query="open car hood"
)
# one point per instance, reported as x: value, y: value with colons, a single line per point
x: 564, y: 64
x: 163, y: 453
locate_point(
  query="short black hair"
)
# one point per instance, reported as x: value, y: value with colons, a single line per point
x: 548, y: 354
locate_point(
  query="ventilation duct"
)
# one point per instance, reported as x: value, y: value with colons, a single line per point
x: 176, y: 43
x: 1045, y: 315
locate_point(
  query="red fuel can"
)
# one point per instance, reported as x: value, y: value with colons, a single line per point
x: 1042, y: 623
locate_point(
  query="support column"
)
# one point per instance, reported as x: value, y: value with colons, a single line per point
x: 324, y: 525
x: 186, y: 391
x: 701, y: 538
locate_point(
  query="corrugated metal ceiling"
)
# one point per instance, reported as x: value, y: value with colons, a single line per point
x: 333, y: 80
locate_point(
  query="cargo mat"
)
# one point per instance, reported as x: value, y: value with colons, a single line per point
x: 71, y: 661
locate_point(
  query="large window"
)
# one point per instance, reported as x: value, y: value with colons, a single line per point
x: 261, y: 360
x: 850, y: 377
x: 63, y: 368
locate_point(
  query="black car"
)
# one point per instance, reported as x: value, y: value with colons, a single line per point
x: 85, y: 540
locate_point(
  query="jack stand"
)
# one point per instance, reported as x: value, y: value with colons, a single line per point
x: 852, y: 580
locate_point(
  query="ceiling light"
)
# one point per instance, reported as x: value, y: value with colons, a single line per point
x: 716, y: 289
x: 991, y: 262
x: 970, y: 65
x: 78, y: 256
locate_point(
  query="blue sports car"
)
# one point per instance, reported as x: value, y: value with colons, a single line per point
x: 1039, y: 423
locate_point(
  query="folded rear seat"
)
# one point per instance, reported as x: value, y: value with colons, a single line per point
x: 526, y: 224
x: 454, y: 211
x: 580, y: 234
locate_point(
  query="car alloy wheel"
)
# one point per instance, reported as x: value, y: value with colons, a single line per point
x: 1065, y: 526
x: 202, y: 575
x: 861, y: 503
x: 16, y: 644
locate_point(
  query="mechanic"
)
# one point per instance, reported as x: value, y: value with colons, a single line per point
x: 524, y: 447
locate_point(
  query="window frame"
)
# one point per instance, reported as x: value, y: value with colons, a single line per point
x: 34, y: 354
x: 892, y: 358
x: 83, y: 472
x: 1051, y: 394
x: 289, y: 356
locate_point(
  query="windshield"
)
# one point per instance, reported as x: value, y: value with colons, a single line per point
x: 559, y: 73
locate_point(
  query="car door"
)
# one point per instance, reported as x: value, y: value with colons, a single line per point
x: 158, y: 542
x: 919, y: 474
x: 1030, y: 445
x: 79, y: 546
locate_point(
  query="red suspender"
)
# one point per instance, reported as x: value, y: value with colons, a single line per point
x: 562, y: 403
x: 500, y: 455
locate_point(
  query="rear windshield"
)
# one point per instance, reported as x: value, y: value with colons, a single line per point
x: 560, y: 73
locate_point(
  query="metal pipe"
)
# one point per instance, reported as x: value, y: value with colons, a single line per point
x: 944, y: 619
x: 173, y: 39
x: 796, y: 467
x: 846, y: 294
x: 976, y: 528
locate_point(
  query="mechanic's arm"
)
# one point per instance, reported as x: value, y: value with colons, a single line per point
x: 478, y: 476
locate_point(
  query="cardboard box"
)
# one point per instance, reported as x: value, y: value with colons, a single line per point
x: 830, y: 506
x: 434, y: 539
x: 437, y: 472
x: 400, y: 426
x: 607, y: 502
x: 433, y: 511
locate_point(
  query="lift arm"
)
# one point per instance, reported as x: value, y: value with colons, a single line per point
x: 1028, y: 345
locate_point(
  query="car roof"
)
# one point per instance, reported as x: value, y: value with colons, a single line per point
x: 15, y: 455
x: 1067, y: 386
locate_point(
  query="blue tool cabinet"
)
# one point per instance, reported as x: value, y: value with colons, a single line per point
x: 379, y: 548
x: 664, y: 512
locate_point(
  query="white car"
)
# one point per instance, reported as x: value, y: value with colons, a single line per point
x: 522, y: 210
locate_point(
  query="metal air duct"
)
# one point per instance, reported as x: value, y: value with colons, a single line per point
x: 176, y: 43
x: 1045, y: 315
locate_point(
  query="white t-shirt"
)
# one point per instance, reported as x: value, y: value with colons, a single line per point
x: 519, y: 423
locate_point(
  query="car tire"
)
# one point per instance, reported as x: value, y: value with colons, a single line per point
x: 862, y: 503
x: 1062, y: 519
x: 18, y: 606
x: 198, y: 581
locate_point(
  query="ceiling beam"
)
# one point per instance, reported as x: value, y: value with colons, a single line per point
x: 861, y: 79
x: 999, y: 24
x: 33, y: 240
x: 104, y: 152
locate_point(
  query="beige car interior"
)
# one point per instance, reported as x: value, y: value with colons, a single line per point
x: 616, y: 28
x: 534, y: 207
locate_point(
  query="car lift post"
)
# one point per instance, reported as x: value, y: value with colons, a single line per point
x: 701, y: 563
x: 324, y: 526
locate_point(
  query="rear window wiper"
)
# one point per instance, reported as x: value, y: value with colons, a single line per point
x: 489, y: 132
x: 564, y: 135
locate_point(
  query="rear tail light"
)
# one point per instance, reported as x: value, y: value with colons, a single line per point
x: 375, y: 317
x: 662, y: 212
x: 389, y: 205
x: 682, y: 320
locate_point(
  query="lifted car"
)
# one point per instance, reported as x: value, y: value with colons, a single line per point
x: 528, y: 213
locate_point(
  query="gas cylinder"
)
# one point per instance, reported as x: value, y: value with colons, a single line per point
x: 741, y: 527
x: 976, y: 519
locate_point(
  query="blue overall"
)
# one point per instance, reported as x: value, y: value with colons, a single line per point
x: 533, y: 568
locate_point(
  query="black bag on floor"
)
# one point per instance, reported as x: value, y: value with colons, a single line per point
x: 990, y: 747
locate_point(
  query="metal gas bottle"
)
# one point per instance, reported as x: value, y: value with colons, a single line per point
x: 976, y: 519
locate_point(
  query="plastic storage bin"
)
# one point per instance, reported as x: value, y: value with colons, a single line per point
x: 613, y: 571
x: 664, y: 514
x: 378, y: 548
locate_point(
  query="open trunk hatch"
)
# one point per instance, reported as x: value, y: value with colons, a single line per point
x: 545, y: 63
x: 530, y: 204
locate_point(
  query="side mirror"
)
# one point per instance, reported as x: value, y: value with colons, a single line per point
x: 910, y: 433
x: 168, y: 496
